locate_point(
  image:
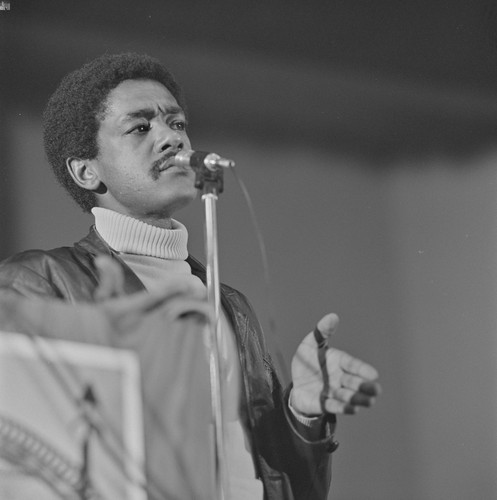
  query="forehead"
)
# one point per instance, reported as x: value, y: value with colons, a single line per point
x: 131, y: 95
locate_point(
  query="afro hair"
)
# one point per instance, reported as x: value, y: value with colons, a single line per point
x: 71, y: 117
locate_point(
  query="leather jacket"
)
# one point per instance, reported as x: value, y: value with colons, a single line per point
x: 291, y: 464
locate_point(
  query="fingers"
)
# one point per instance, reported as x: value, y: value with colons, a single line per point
x: 188, y: 286
x: 343, y: 400
x: 185, y: 286
x: 364, y: 396
x: 327, y: 326
x: 355, y: 398
x: 181, y: 308
x: 351, y: 383
x: 337, y: 407
x: 370, y: 388
x: 351, y: 365
x: 111, y: 279
x: 357, y: 385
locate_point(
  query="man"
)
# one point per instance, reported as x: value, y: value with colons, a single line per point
x: 110, y: 130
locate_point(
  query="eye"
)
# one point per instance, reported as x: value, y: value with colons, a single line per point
x: 178, y: 125
x: 142, y: 128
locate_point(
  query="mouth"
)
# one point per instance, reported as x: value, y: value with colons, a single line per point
x: 165, y: 163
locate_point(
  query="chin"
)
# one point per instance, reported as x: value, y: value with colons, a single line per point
x: 182, y: 201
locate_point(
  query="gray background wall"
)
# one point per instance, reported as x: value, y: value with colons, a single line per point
x: 366, y: 135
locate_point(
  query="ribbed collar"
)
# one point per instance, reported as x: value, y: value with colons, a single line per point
x: 128, y: 235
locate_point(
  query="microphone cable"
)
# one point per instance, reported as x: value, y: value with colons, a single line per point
x: 276, y: 341
x: 314, y: 471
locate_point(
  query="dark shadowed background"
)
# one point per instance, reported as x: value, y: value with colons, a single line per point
x: 366, y: 132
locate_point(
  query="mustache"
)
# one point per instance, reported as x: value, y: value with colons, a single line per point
x: 158, y: 164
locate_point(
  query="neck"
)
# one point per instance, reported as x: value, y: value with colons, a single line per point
x: 163, y: 223
x: 158, y: 220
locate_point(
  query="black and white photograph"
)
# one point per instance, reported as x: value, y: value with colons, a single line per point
x: 248, y: 250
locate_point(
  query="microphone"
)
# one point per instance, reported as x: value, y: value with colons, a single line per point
x: 196, y: 159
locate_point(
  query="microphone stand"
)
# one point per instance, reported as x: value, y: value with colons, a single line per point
x: 210, y: 181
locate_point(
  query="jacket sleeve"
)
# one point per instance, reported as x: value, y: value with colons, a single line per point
x: 306, y: 451
x: 24, y: 274
x: 301, y: 454
x: 60, y: 273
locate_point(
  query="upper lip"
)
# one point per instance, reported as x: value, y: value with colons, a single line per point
x: 165, y: 161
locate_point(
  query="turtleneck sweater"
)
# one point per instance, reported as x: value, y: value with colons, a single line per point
x: 154, y: 254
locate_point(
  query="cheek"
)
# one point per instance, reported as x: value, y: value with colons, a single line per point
x: 126, y: 182
x: 120, y: 169
x: 122, y: 181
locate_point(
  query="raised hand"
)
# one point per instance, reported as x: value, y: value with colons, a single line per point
x: 326, y: 380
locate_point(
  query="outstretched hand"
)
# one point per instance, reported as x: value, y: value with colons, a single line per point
x: 326, y: 380
x: 179, y: 297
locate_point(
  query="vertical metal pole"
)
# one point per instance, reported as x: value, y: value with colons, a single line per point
x: 214, y: 342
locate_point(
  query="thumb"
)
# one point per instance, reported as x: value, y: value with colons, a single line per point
x: 328, y: 325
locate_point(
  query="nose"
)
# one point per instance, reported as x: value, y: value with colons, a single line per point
x: 168, y: 139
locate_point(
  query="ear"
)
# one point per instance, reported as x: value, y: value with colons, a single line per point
x: 84, y: 173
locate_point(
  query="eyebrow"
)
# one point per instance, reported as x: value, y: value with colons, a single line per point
x: 149, y: 113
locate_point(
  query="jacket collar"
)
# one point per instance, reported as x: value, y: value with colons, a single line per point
x: 95, y: 245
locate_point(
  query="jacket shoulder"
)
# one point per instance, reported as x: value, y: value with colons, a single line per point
x: 59, y: 272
